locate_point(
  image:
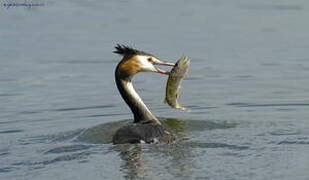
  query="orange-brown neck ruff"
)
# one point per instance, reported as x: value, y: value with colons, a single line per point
x: 128, y: 67
x: 124, y: 72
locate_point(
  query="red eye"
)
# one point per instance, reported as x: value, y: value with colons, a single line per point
x: 149, y: 59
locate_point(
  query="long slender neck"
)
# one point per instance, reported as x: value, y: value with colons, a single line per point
x: 130, y: 96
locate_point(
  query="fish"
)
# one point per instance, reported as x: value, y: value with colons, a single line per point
x: 178, y: 72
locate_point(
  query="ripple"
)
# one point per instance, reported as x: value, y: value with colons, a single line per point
x: 6, y: 169
x: 66, y: 109
x: 196, y: 125
x: 236, y: 104
x: 201, y: 107
x: 9, y: 94
x: 294, y: 142
x: 67, y: 157
x: 69, y: 135
x: 103, y: 133
x: 104, y: 115
x: 282, y: 132
x: 285, y: 109
x: 69, y: 148
x: 10, y: 122
x: 4, y: 152
x: 216, y: 145
x: 83, y: 108
x: 30, y: 112
x: 11, y: 131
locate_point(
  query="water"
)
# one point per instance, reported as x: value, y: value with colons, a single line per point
x: 247, y: 91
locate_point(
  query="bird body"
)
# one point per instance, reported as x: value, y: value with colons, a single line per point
x: 143, y: 133
x: 146, y: 127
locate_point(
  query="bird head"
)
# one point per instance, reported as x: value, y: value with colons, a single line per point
x: 135, y: 61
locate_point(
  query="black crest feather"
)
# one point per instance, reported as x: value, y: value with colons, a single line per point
x: 128, y: 51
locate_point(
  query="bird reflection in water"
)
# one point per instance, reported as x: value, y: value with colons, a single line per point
x: 133, y: 165
x: 175, y: 157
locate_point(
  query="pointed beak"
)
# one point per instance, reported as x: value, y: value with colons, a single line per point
x: 161, y: 71
x: 163, y: 63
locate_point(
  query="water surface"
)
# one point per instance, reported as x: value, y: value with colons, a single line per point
x: 247, y: 91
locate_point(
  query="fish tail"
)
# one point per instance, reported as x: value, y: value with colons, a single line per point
x: 180, y: 107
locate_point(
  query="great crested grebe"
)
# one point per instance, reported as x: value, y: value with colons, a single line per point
x: 146, y: 128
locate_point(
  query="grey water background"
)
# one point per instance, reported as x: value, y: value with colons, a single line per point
x: 247, y: 90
